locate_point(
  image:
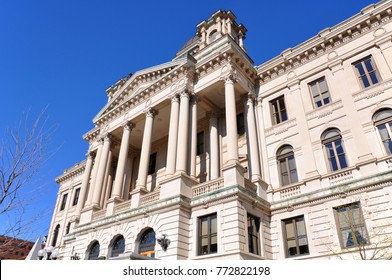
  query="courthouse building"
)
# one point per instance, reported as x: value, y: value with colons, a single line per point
x: 209, y: 156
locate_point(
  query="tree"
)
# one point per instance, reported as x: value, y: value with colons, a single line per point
x: 24, y: 149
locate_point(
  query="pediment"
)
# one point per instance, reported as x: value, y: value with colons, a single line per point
x: 131, y: 86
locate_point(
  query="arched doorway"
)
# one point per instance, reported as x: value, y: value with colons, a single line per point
x: 147, y: 243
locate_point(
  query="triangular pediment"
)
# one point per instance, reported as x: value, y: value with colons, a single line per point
x: 129, y: 87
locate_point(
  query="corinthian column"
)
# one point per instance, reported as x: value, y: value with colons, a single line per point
x: 122, y: 160
x: 182, y: 142
x: 252, y: 138
x: 101, y: 170
x: 85, y: 181
x: 231, y: 120
x: 173, y: 135
x: 146, y: 147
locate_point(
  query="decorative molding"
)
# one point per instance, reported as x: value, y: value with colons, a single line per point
x: 324, y: 111
x: 72, y: 172
x: 281, y: 128
x: 373, y: 91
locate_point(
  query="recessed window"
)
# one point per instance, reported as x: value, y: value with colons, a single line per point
x: 320, y: 93
x: 55, y: 235
x: 351, y: 225
x: 94, y: 251
x: 76, y: 197
x: 147, y: 243
x: 118, y: 246
x: 366, y: 72
x: 278, y: 110
x: 208, y: 234
x: 332, y: 141
x: 240, y: 124
x: 383, y: 121
x: 296, y: 241
x: 152, y: 164
x: 253, y: 234
x: 200, y: 143
x: 287, y: 166
x: 213, y: 36
x: 63, y: 202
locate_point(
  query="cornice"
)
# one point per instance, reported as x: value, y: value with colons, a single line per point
x: 92, y: 135
x: 72, y: 172
x: 369, y: 19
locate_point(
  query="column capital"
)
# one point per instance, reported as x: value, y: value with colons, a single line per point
x: 194, y: 98
x: 185, y: 93
x: 213, y: 115
x: 174, y: 98
x: 228, y: 72
x: 128, y: 126
x: 106, y: 138
x: 151, y: 112
x: 90, y: 154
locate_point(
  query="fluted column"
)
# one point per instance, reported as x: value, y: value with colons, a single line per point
x: 193, y: 135
x: 95, y: 173
x: 122, y: 160
x: 182, y: 141
x: 252, y: 138
x: 85, y: 181
x: 231, y: 120
x: 214, y: 146
x: 173, y: 136
x: 101, y: 170
x: 146, y: 147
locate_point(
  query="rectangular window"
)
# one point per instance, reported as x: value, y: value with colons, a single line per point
x: 64, y: 202
x: 152, y: 164
x: 320, y: 93
x: 76, y: 197
x: 240, y: 124
x: 351, y: 225
x: 200, y: 143
x: 208, y: 234
x: 253, y: 234
x: 366, y: 72
x: 296, y: 241
x: 278, y: 110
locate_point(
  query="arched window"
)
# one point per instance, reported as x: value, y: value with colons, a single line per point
x: 55, y: 235
x: 147, y: 243
x: 93, y: 253
x: 334, y: 150
x: 287, y: 167
x: 118, y: 246
x: 383, y: 121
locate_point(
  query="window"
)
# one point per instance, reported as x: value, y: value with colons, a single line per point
x: 76, y: 197
x: 296, y: 241
x: 64, y: 202
x: 278, y: 109
x: 147, y: 243
x: 351, y: 225
x: 94, y: 251
x: 55, y: 235
x: 68, y: 228
x: 208, y: 234
x: 383, y: 121
x: 240, y: 124
x: 213, y: 35
x: 200, y: 143
x: 152, y: 164
x: 366, y: 72
x: 287, y: 167
x: 118, y: 246
x: 253, y: 234
x: 332, y: 141
x: 320, y: 93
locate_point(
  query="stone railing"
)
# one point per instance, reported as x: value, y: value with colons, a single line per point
x: 123, y: 206
x: 290, y: 191
x: 250, y: 186
x: 207, y: 187
x: 150, y: 197
x: 340, y: 177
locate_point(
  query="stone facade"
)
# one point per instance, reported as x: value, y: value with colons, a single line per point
x: 288, y: 159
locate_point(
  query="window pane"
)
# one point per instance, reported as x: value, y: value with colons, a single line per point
x: 347, y: 238
x: 301, y: 227
x: 314, y: 89
x: 281, y: 104
x: 292, y: 248
x: 323, y: 86
x: 290, y: 233
x: 283, y: 166
x: 365, y: 82
x: 360, y: 68
x: 342, y: 161
x: 214, y: 228
x: 330, y: 150
x: 284, y: 116
x: 343, y: 217
x: 373, y: 77
x: 368, y: 64
x: 339, y: 147
x: 388, y: 146
x: 360, y: 236
x: 382, y: 129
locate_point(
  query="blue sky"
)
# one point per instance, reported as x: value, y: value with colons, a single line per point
x: 64, y: 54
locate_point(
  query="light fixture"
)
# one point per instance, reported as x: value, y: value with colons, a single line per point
x: 163, y: 241
x: 49, y: 253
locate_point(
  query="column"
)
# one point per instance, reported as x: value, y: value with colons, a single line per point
x: 231, y: 120
x: 95, y: 173
x: 122, y: 160
x: 146, y: 147
x: 214, y: 146
x: 101, y: 170
x: 182, y: 141
x: 173, y: 135
x: 193, y: 136
x: 252, y: 139
x: 85, y: 181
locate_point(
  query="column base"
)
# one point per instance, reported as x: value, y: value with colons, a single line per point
x: 136, y: 194
x: 111, y: 204
x: 178, y: 184
x: 262, y: 187
x: 233, y: 174
x: 86, y: 215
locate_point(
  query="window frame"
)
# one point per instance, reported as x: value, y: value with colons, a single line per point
x: 76, y: 197
x: 332, y: 140
x: 63, y: 201
x: 209, y: 234
x: 200, y: 145
x: 366, y: 72
x: 152, y: 164
x: 352, y: 226
x: 284, y: 158
x: 388, y: 126
x: 240, y: 120
x: 253, y: 236
x: 279, y: 111
x: 319, y: 93
x: 296, y: 237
